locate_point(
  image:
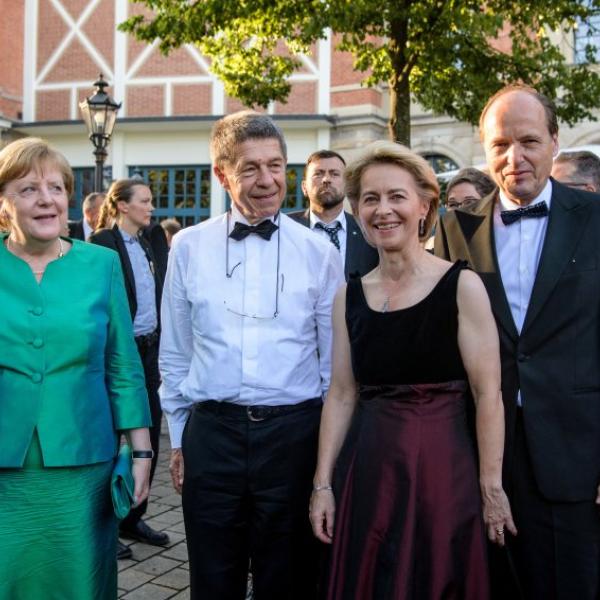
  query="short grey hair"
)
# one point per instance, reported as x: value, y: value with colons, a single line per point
x: 91, y: 199
x: 586, y: 165
x: 232, y: 130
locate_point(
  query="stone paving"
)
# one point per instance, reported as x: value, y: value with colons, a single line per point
x: 157, y: 573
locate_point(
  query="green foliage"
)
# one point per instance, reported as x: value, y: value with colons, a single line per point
x: 443, y: 52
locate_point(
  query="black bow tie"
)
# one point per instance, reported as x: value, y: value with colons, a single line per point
x: 265, y: 229
x: 537, y: 210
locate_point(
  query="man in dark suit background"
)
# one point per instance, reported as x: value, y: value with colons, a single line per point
x: 536, y: 246
x: 82, y: 229
x: 323, y: 185
x: 579, y: 170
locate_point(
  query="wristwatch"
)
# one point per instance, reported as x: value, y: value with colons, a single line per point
x: 142, y: 454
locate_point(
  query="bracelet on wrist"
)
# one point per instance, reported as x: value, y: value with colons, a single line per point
x: 142, y: 454
x: 320, y: 488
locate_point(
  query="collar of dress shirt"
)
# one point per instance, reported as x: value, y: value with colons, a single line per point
x: 544, y: 196
x: 341, y: 219
x: 238, y: 217
x: 87, y: 229
x: 127, y: 237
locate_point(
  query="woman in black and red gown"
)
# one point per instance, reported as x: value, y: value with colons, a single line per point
x: 404, y: 507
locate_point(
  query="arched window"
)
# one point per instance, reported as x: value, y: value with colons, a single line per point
x: 440, y: 163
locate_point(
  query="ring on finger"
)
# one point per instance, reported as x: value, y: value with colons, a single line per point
x: 500, y: 531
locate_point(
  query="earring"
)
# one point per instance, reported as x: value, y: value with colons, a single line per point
x: 421, y: 228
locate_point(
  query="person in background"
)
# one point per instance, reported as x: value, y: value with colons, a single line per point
x: 245, y: 361
x: 171, y: 227
x: 536, y: 246
x: 71, y: 383
x: 82, y: 229
x: 128, y: 204
x: 323, y: 184
x: 405, y: 507
x: 467, y: 187
x: 579, y: 170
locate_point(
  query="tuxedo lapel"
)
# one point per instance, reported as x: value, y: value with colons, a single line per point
x: 478, y: 231
x: 353, y: 240
x: 565, y: 225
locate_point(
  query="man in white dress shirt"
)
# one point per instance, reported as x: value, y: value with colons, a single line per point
x: 536, y: 245
x: 245, y: 360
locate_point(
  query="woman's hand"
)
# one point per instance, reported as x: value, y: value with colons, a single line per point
x: 141, y: 476
x: 139, y: 439
x: 321, y: 512
x: 496, y: 514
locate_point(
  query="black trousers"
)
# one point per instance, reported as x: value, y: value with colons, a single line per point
x: 246, y: 492
x: 556, y: 553
x: 149, y: 355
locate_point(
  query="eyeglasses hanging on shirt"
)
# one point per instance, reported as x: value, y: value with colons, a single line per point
x: 265, y: 230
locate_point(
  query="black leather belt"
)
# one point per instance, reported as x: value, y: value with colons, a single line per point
x: 255, y: 413
x: 147, y: 339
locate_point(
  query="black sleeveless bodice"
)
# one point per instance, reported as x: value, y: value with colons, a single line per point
x: 418, y: 344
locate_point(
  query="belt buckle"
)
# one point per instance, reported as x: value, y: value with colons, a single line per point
x: 251, y: 417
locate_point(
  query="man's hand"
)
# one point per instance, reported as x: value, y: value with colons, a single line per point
x: 176, y: 469
x: 598, y: 495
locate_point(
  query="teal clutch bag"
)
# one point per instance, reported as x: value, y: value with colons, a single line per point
x: 121, y: 483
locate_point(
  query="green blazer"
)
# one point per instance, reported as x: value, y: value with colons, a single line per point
x: 69, y: 366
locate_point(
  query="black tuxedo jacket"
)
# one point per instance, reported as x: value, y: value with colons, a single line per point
x: 555, y: 361
x: 360, y: 256
x: 111, y: 238
x: 76, y: 230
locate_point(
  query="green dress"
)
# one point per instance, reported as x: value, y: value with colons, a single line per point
x: 58, y: 532
x: 70, y: 380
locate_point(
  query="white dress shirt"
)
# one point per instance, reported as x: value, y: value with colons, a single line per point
x: 342, y: 233
x: 518, y: 249
x: 209, y: 351
x: 87, y: 229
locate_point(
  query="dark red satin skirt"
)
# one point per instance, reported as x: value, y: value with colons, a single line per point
x: 408, y: 516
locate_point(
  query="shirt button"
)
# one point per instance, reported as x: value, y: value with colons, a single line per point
x: 38, y: 342
x: 37, y: 310
x: 36, y: 377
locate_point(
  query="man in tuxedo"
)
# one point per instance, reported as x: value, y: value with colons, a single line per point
x: 579, y: 170
x: 535, y: 244
x: 323, y: 184
x: 245, y: 359
x: 82, y: 229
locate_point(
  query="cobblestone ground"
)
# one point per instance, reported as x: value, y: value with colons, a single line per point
x: 157, y: 573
